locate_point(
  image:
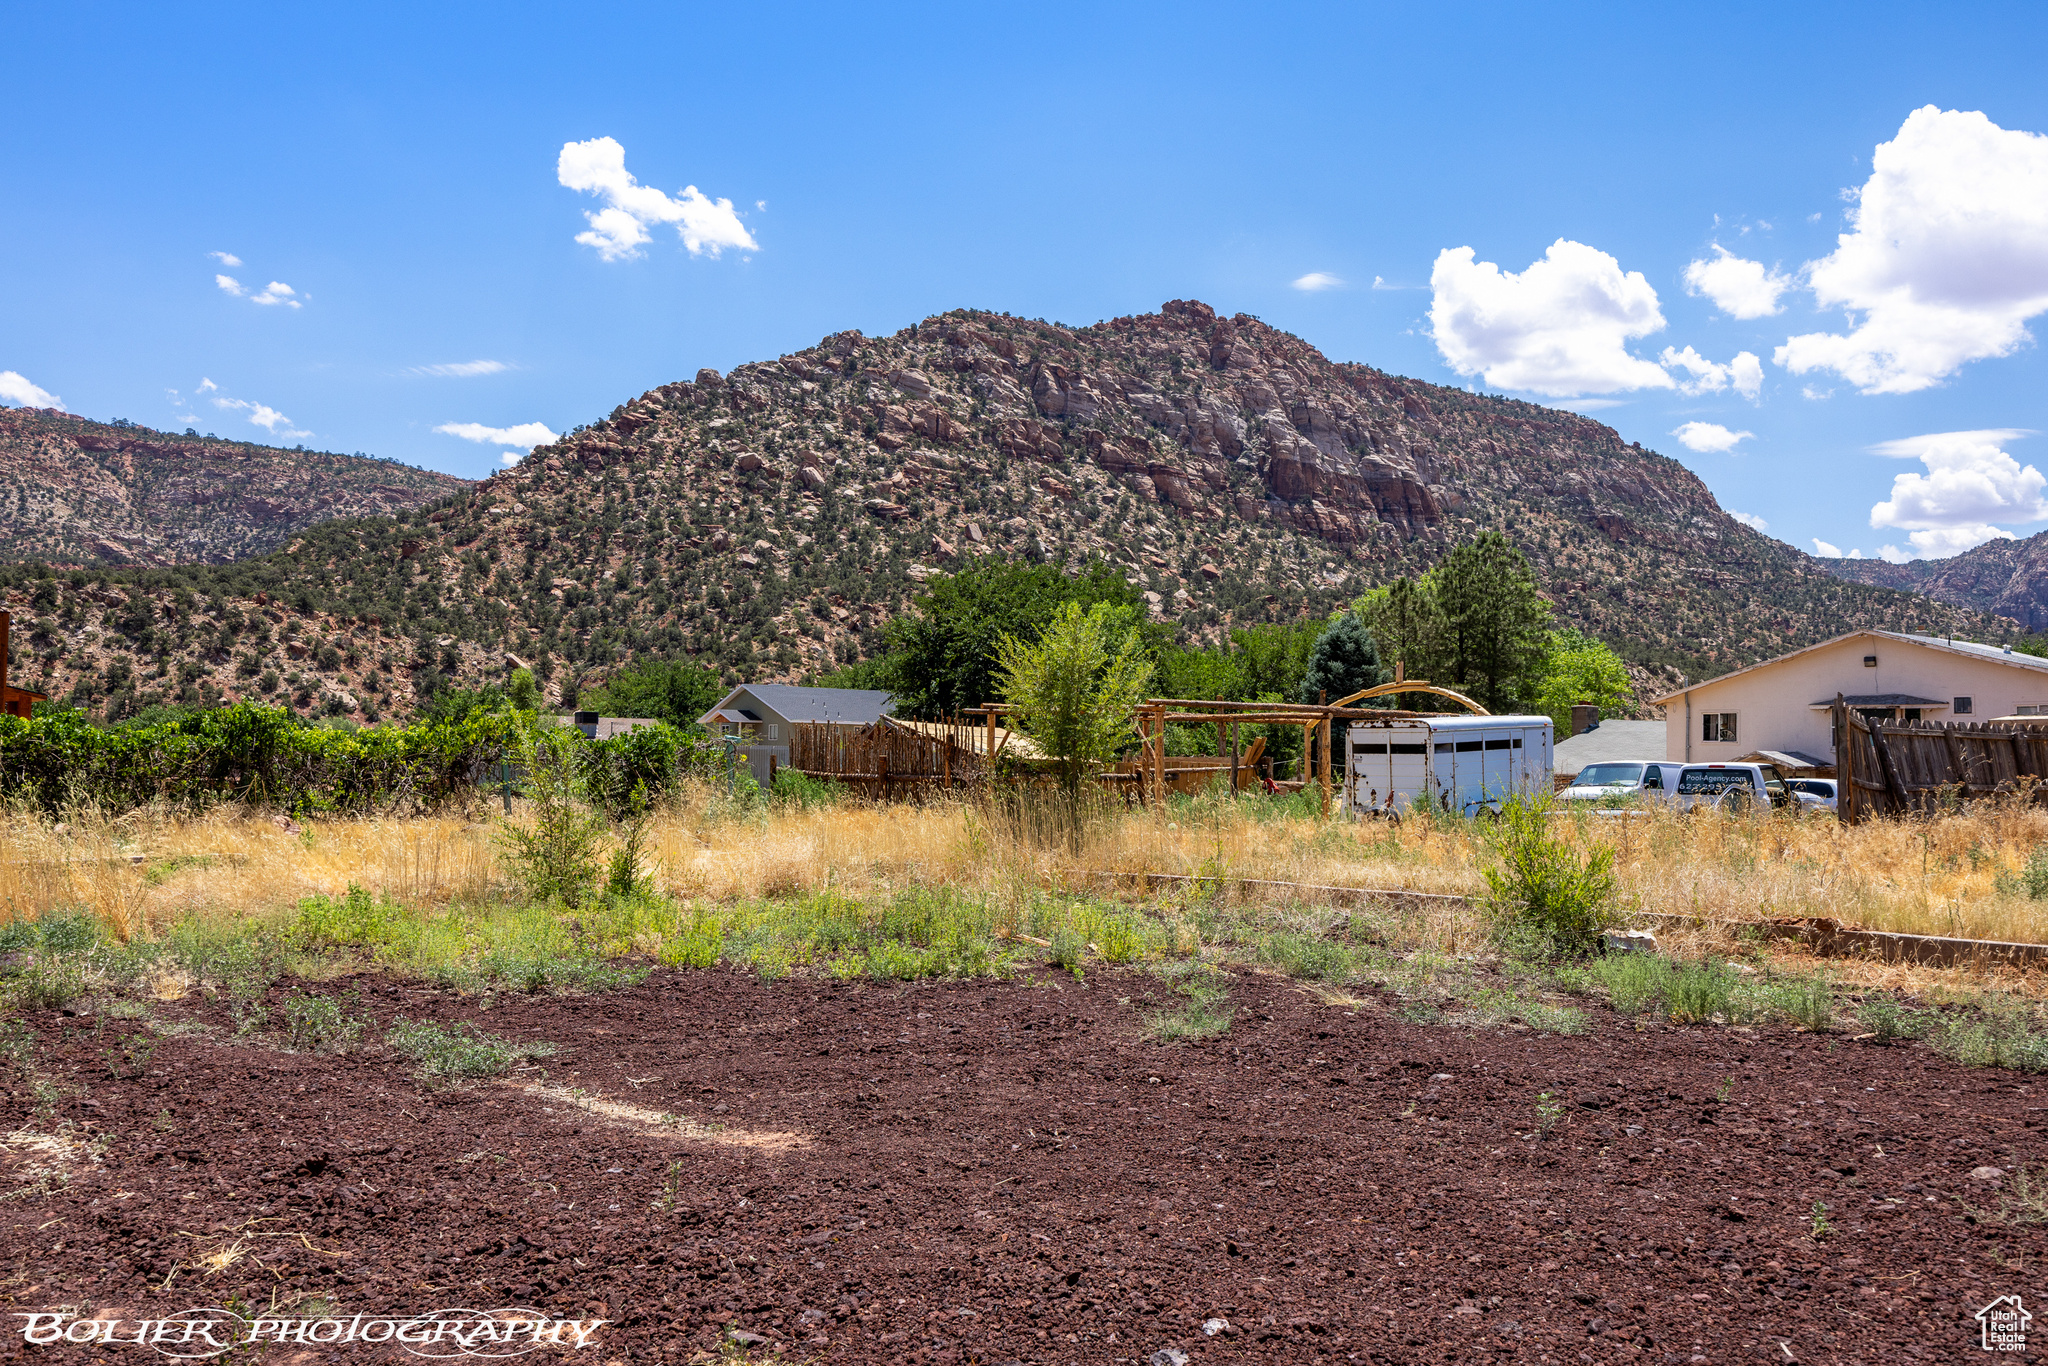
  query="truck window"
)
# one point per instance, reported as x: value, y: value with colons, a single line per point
x: 1653, y: 778
x: 1609, y: 775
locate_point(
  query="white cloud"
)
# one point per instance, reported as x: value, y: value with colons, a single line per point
x: 1947, y: 259
x: 15, y: 389
x: 527, y: 434
x: 1890, y: 554
x: 1913, y: 447
x: 226, y: 258
x: 462, y: 369
x: 513, y: 457
x: 1807, y: 391
x: 1739, y: 288
x: 276, y: 292
x: 706, y: 225
x: 1745, y: 373
x: 1708, y: 436
x: 1826, y: 551
x: 1970, y: 484
x: 1750, y: 520
x: 1941, y: 542
x: 1317, y: 280
x: 206, y: 386
x: 1592, y: 405
x: 1558, y: 329
x: 259, y: 414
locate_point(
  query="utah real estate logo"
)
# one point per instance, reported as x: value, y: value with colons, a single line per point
x: 2004, y: 1325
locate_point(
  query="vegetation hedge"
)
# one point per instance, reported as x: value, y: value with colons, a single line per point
x: 266, y: 756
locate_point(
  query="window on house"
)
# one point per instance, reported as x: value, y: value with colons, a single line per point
x: 1965, y: 706
x: 1718, y: 726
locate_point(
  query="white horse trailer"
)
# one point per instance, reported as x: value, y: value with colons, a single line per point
x: 1455, y: 763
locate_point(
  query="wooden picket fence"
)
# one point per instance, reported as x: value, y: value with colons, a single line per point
x: 889, y: 758
x: 1896, y: 768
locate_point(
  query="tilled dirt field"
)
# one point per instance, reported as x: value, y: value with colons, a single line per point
x: 1014, y: 1171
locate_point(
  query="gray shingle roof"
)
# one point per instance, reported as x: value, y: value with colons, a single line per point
x: 1609, y: 742
x: 845, y: 706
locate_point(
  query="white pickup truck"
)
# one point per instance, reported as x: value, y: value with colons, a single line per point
x: 1733, y: 787
x: 1623, y: 780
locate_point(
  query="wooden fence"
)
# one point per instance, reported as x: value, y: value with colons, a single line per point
x: 1896, y: 768
x: 891, y: 759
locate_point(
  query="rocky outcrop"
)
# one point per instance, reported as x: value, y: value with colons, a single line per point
x: 2006, y: 577
x: 83, y: 492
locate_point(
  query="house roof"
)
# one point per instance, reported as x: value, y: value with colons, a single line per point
x: 1609, y: 742
x: 844, y: 706
x: 1971, y: 649
x: 1882, y: 699
x: 1785, y: 758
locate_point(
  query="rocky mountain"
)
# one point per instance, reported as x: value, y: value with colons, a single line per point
x: 770, y: 521
x: 77, y: 492
x: 2005, y: 577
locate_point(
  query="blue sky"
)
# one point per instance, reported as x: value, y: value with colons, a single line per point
x: 400, y: 170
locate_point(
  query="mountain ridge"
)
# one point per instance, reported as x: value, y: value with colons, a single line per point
x: 78, y: 492
x: 770, y: 521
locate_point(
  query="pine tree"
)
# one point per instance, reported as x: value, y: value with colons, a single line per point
x: 1497, y: 624
x: 1345, y: 660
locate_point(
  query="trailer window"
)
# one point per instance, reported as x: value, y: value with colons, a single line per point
x: 1444, y: 748
x: 1368, y: 749
x: 1500, y: 744
x: 1410, y: 749
x: 1470, y: 746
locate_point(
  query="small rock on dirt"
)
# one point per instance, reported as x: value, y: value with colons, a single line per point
x: 746, y: 1339
x: 1629, y: 941
x: 1211, y: 1327
x: 1167, y: 1356
x: 1993, y: 1174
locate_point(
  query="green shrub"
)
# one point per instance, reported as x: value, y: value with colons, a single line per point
x: 1808, y: 1001
x: 799, y: 789
x: 1889, y: 1021
x: 355, y: 918
x: 699, y: 944
x: 442, y: 1054
x: 1306, y: 956
x: 1697, y: 992
x: 2002, y: 1036
x: 1633, y: 980
x: 1538, y: 888
x: 556, y: 856
x: 317, y: 1024
x: 1067, y: 950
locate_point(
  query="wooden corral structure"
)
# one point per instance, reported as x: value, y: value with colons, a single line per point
x: 895, y: 758
x: 1896, y: 768
x: 898, y: 758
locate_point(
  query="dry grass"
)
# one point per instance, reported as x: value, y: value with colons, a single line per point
x: 1952, y: 875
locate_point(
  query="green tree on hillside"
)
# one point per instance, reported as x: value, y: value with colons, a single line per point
x: 1344, y: 661
x: 661, y: 690
x: 1497, y: 626
x: 942, y: 657
x: 1405, y: 619
x: 1580, y: 669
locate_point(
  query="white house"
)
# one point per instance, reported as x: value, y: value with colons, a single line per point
x: 1785, y: 703
x: 759, y: 716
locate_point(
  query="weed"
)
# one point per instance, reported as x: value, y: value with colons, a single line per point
x: 1697, y: 992
x: 1120, y: 942
x: 2025, y: 1203
x: 129, y: 1058
x: 1722, y: 1091
x: 1889, y: 1021
x: 442, y: 1054
x: 1307, y: 956
x: 1550, y: 1019
x: 2002, y: 1036
x: 356, y: 919
x: 671, y: 1190
x: 794, y: 788
x: 1822, y: 1226
x: 1807, y: 1001
x: 2032, y: 878
x: 1067, y: 948
x: 698, y: 945
x: 1633, y: 980
x: 1541, y: 889
x: 321, y: 1024
x: 1421, y: 1013
x: 1549, y: 1111
x: 1208, y: 1011
x: 47, y: 983
x: 162, y: 1122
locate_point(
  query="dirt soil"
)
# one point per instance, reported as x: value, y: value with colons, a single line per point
x: 1015, y: 1172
